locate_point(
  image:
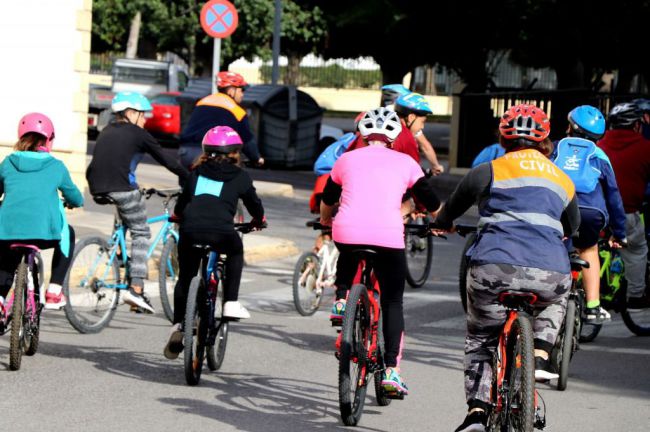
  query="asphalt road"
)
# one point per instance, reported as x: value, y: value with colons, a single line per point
x: 280, y: 372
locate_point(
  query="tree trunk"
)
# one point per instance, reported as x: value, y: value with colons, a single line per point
x: 134, y: 34
x: 293, y: 70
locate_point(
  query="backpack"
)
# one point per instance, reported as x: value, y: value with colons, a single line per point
x: 325, y: 161
x: 574, y: 156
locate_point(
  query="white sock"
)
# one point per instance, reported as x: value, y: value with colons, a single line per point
x: 54, y: 289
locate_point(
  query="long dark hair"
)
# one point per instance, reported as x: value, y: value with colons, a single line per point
x: 232, y: 157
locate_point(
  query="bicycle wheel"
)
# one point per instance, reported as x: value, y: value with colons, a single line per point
x: 353, y: 362
x: 89, y: 286
x: 462, y: 270
x: 195, y: 329
x: 419, y: 255
x: 216, y: 349
x: 33, y: 312
x: 382, y: 398
x: 17, y: 338
x: 521, y: 377
x: 168, y: 275
x: 306, y: 295
x: 567, y: 342
x: 637, y: 322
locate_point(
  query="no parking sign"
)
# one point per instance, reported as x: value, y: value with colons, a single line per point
x: 219, y: 18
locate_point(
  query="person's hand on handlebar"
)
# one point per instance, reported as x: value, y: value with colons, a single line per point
x: 615, y: 243
x: 258, y: 224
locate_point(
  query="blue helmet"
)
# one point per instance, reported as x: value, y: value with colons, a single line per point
x: 413, y: 103
x: 587, y: 121
x: 643, y: 104
x: 390, y: 93
x: 133, y: 100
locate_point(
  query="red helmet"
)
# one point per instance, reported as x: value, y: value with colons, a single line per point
x: 230, y: 79
x: 525, y: 121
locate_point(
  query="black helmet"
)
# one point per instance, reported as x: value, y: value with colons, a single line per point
x: 624, y: 115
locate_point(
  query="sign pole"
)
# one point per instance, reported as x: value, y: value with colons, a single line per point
x: 216, y: 60
x: 275, y: 73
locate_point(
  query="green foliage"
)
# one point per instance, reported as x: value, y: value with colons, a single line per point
x: 333, y: 76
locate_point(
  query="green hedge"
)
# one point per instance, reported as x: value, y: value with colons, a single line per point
x: 333, y: 76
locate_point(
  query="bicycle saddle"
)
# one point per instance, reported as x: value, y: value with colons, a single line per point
x: 202, y: 246
x: 24, y: 246
x: 517, y: 299
x: 578, y: 264
x: 103, y: 199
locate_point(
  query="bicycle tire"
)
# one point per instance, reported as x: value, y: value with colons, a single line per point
x: 305, y: 305
x: 16, y: 343
x: 523, y: 348
x: 356, y: 325
x: 217, y: 352
x: 82, y: 317
x: 168, y: 267
x: 567, y: 343
x: 413, y: 256
x: 194, y: 332
x: 380, y: 394
x: 31, y: 345
x: 463, y: 268
x: 589, y: 332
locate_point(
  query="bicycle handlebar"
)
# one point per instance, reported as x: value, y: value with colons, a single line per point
x: 249, y: 227
x: 163, y: 193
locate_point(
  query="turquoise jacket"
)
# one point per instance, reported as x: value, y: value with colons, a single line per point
x: 31, y: 208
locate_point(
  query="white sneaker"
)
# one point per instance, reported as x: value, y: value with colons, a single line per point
x: 234, y: 309
x: 134, y: 299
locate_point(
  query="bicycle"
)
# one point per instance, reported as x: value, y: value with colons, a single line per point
x: 613, y: 294
x: 419, y: 252
x: 24, y: 305
x: 514, y: 404
x: 362, y: 343
x: 94, y: 280
x: 314, y: 272
x: 568, y: 339
x: 208, y: 329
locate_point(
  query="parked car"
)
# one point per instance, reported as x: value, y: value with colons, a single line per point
x: 165, y: 119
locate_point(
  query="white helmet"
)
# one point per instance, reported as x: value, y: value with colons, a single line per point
x: 380, y: 124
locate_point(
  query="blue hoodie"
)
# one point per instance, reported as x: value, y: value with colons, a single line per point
x: 31, y: 208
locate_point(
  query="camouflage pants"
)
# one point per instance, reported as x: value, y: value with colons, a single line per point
x: 486, y: 316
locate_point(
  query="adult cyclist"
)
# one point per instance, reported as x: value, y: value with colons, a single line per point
x: 219, y: 109
x: 526, y: 206
x: 370, y: 183
x: 598, y: 197
x: 111, y: 179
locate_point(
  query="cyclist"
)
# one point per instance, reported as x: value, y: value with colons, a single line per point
x: 526, y: 206
x: 32, y: 211
x: 206, y: 210
x: 220, y: 109
x: 598, y: 197
x: 628, y: 152
x: 370, y: 184
x: 111, y: 179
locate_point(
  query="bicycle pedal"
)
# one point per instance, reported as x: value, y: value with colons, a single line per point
x: 395, y: 395
x: 540, y: 422
x: 336, y: 322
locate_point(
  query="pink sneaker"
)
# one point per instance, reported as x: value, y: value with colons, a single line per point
x: 54, y: 301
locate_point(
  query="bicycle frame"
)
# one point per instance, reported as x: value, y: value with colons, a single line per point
x: 613, y: 280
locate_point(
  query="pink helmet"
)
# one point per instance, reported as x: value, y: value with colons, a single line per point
x: 37, y: 123
x: 221, y: 139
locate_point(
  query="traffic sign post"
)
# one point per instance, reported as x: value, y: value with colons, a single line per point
x: 219, y: 19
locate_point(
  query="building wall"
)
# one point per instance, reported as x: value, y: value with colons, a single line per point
x: 45, y: 51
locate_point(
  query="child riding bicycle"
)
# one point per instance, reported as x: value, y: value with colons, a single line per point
x: 370, y: 184
x: 526, y: 205
x: 206, y: 210
x: 111, y: 178
x: 32, y: 211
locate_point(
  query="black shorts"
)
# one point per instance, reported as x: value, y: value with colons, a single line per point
x: 592, y: 223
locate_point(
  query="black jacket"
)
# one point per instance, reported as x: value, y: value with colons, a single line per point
x: 208, y: 203
x: 117, y: 152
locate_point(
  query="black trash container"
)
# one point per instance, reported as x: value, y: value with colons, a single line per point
x: 286, y: 122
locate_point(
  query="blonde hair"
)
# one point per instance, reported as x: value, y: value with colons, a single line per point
x: 31, y: 141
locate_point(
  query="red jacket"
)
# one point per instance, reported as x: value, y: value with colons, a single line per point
x: 405, y: 143
x: 629, y: 154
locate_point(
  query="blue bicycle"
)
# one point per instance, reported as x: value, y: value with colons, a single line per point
x: 100, y: 269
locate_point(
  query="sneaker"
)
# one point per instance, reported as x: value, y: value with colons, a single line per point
x: 544, y: 370
x: 393, y: 383
x: 338, y: 310
x: 234, y: 309
x: 597, y: 315
x: 175, y: 343
x: 137, y: 299
x: 54, y: 301
x: 637, y: 304
x: 474, y: 422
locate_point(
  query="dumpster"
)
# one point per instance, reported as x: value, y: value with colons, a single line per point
x: 286, y: 122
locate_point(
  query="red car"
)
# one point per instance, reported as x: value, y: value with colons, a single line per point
x: 165, y: 119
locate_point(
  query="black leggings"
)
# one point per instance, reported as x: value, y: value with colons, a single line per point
x: 189, y: 259
x: 390, y: 269
x: 9, y: 260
